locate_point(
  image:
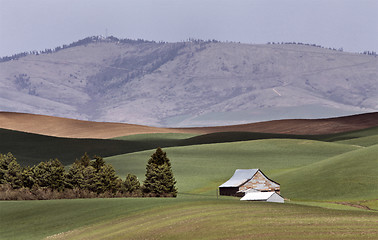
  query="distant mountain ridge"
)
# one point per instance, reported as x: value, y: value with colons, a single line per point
x: 196, y: 83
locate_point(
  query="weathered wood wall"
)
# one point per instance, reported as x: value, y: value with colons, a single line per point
x: 261, y: 183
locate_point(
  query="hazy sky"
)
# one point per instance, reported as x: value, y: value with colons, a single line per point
x: 38, y: 24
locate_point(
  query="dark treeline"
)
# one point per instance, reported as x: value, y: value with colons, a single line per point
x: 370, y: 53
x: 95, y: 39
x: 307, y: 44
x: 81, y: 42
x: 88, y: 40
x: 85, y: 178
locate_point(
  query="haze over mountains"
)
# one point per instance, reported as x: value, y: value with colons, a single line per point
x: 194, y: 83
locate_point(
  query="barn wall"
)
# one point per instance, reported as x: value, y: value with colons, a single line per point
x: 228, y: 191
x: 261, y: 183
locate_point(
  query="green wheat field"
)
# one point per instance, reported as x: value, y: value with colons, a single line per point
x: 329, y: 183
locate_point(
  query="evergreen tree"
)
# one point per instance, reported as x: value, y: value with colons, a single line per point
x: 12, y: 175
x: 84, y: 160
x: 131, y: 184
x: 159, y: 175
x: 106, y: 179
x: 27, y: 177
x: 81, y: 177
x: 5, y: 160
x: 95, y: 176
x: 98, y: 163
x: 50, y: 174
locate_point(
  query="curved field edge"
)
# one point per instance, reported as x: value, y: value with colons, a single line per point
x: 31, y: 149
x: 362, y: 141
x: 227, y: 219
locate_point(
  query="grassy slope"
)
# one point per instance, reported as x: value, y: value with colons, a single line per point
x: 183, y: 217
x: 201, y: 168
x: 362, y: 141
x: 38, y: 219
x: 352, y: 176
x: 234, y: 220
x: 32, y: 148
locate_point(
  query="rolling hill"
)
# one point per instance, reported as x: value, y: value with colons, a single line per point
x: 200, y: 169
x: 346, y: 176
x: 197, y: 83
x: 77, y: 137
x: 320, y: 170
x: 70, y: 128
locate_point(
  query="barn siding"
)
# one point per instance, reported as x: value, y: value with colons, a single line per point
x: 228, y: 191
x: 261, y: 183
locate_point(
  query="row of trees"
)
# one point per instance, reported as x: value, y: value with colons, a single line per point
x: 82, y: 42
x: 84, y: 178
x: 306, y: 44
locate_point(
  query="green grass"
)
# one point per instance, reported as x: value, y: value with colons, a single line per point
x: 38, y: 219
x: 185, y: 217
x: 225, y: 219
x: 329, y: 205
x: 362, y: 141
x: 329, y: 168
x: 201, y: 168
x: 372, y: 204
x: 349, y: 176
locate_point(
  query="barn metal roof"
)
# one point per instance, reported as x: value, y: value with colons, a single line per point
x: 263, y: 196
x: 240, y: 176
x: 257, y: 196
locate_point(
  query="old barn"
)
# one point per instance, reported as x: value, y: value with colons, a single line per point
x: 244, y: 180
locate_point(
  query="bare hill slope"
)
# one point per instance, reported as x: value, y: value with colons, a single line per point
x: 189, y: 83
x: 63, y: 127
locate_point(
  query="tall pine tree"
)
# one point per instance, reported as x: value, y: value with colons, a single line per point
x: 159, y: 176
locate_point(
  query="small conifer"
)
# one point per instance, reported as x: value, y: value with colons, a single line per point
x: 131, y: 183
x: 159, y: 176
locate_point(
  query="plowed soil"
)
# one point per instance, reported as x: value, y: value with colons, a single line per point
x: 63, y: 127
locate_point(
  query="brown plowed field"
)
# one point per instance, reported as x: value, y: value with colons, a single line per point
x: 63, y: 127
